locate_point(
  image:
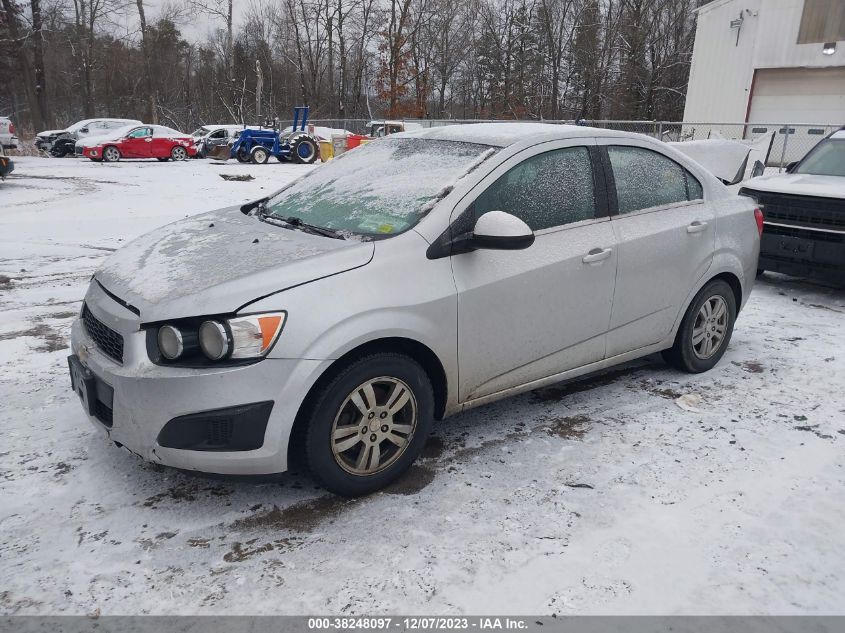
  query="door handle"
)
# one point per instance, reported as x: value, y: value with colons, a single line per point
x: 596, y: 255
x: 696, y: 227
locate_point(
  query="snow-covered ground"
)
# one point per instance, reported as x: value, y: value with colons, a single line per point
x: 640, y: 490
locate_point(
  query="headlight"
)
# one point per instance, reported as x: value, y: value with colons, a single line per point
x: 214, y: 340
x: 199, y: 340
x: 241, y: 337
x: 170, y: 342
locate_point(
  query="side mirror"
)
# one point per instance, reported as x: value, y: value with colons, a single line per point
x: 790, y: 167
x: 502, y: 231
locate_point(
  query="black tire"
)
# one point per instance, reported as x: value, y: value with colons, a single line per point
x: 110, y: 156
x: 163, y: 159
x: 330, y: 402
x: 304, y: 149
x: 259, y: 155
x: 59, y: 152
x: 683, y: 354
x: 242, y: 156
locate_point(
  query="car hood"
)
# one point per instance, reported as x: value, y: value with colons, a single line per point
x: 47, y: 133
x: 217, y: 262
x: 799, y: 185
x: 91, y: 141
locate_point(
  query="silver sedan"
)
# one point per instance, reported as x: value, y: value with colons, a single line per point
x: 405, y: 281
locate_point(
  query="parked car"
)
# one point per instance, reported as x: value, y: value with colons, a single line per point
x: 61, y: 143
x: 6, y: 164
x: 408, y: 280
x: 379, y: 128
x: 8, y: 140
x: 208, y: 137
x: 804, y: 211
x: 138, y: 141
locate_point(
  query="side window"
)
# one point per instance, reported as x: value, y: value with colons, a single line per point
x: 645, y: 179
x: 218, y: 134
x: 546, y: 190
x: 141, y: 132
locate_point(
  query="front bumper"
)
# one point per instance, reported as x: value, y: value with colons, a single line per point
x: 145, y: 396
x: 804, y: 252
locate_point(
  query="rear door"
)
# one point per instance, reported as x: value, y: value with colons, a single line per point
x: 527, y: 314
x: 666, y: 235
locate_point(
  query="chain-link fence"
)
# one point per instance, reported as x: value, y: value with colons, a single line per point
x: 791, y: 141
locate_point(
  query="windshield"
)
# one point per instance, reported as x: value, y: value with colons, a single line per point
x: 827, y: 159
x: 381, y: 188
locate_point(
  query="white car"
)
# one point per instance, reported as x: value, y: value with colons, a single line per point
x: 7, y: 134
x: 61, y: 142
x: 209, y: 136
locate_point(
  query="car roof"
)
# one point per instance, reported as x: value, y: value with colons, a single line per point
x: 505, y: 134
x: 838, y: 135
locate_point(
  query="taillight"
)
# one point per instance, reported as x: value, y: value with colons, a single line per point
x: 11, y: 128
x: 758, y: 216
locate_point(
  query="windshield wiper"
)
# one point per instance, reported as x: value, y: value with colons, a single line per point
x: 295, y: 223
x: 313, y: 228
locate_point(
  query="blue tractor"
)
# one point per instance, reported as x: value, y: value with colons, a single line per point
x: 297, y: 145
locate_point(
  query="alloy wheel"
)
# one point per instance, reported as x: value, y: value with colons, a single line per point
x: 710, y: 327
x: 374, y: 426
x: 111, y: 154
x: 179, y: 153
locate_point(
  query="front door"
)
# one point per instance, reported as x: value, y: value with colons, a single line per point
x: 666, y: 235
x: 528, y: 314
x: 138, y: 143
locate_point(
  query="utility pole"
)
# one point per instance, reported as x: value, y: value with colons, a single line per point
x: 259, y: 86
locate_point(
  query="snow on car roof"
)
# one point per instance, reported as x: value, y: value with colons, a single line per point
x: 504, y: 134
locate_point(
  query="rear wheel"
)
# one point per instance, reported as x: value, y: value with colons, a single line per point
x: 369, y: 424
x: 304, y: 150
x: 706, y: 329
x: 259, y: 155
x: 163, y: 159
x: 178, y: 153
x: 111, y: 154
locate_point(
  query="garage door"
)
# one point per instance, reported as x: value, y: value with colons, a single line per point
x: 797, y: 95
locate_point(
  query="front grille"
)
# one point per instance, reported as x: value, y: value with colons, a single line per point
x: 109, y: 341
x: 803, y: 211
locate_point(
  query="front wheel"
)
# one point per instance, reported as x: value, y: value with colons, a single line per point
x: 111, y: 154
x: 369, y: 424
x: 259, y: 155
x: 242, y: 155
x: 178, y: 153
x: 706, y: 329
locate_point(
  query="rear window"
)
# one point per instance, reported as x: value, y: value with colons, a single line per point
x: 382, y: 188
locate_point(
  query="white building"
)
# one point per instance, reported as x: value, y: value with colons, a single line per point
x: 769, y: 61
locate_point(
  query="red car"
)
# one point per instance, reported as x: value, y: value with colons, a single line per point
x: 138, y: 141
